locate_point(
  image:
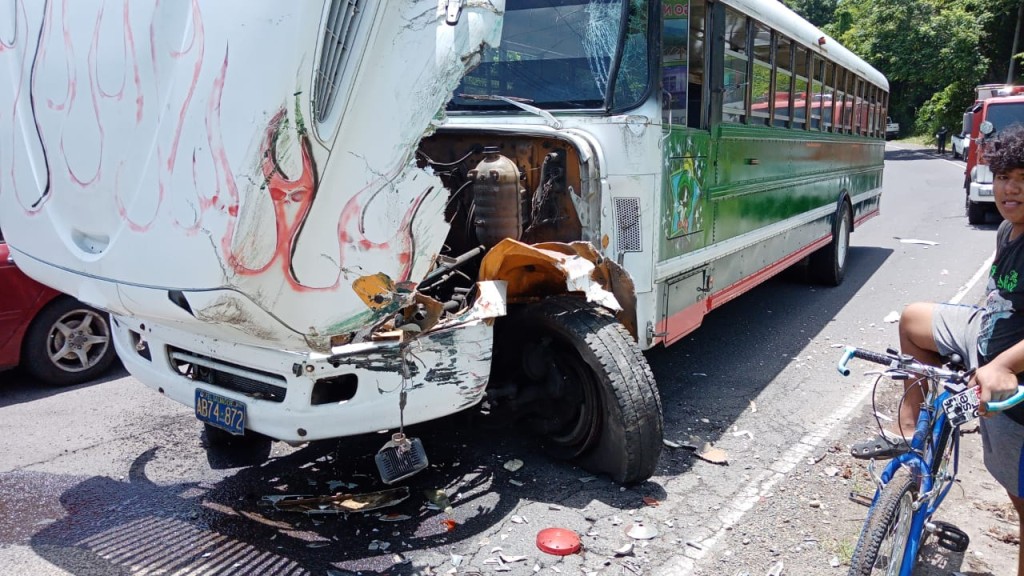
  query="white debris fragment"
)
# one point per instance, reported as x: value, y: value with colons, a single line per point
x: 671, y: 444
x: 892, y: 317
x: 513, y: 465
x: 457, y: 560
x: 916, y: 241
x: 699, y: 374
x: 511, y: 559
x: 519, y: 519
x: 743, y: 433
x: 753, y: 406
x: 514, y: 482
x: 944, y: 272
x: 586, y: 479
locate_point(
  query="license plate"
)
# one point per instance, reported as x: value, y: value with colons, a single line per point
x: 962, y: 407
x: 224, y: 413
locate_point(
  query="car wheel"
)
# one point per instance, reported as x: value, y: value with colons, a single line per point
x: 68, y: 343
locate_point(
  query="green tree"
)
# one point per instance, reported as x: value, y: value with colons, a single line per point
x: 817, y: 12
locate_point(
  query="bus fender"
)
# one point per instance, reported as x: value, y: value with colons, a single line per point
x: 546, y: 269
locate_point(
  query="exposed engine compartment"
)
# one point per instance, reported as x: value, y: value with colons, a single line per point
x: 516, y: 187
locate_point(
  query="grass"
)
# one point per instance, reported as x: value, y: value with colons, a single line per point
x: 843, y: 550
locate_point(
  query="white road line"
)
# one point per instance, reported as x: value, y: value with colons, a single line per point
x: 985, y: 267
x: 750, y: 493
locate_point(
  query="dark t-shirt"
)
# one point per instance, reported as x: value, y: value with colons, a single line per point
x: 1003, y: 325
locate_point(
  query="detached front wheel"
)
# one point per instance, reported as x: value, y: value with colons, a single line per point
x: 587, y: 387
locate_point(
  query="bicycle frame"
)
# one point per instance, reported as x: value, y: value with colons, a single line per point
x: 919, y: 460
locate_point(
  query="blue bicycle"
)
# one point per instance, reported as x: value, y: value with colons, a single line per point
x: 913, y: 484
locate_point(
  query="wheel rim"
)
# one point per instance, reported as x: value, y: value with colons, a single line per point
x: 842, y: 241
x: 78, y: 340
x: 571, y: 409
x: 891, y: 551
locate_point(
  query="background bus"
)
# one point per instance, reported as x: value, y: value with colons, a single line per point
x: 295, y: 242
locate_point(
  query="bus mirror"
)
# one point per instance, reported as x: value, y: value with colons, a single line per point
x: 986, y: 128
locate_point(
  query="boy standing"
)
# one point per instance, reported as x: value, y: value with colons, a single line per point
x: 989, y: 338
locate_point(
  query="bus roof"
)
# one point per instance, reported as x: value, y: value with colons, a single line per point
x: 775, y: 14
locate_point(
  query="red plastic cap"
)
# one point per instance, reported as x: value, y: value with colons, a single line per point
x: 558, y: 541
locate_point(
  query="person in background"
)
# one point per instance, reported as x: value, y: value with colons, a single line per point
x: 940, y: 137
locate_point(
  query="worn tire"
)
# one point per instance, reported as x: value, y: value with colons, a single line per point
x: 975, y: 212
x: 827, y: 265
x: 68, y: 343
x: 607, y: 410
x: 886, y: 534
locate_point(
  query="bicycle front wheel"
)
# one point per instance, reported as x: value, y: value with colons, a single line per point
x: 883, y: 541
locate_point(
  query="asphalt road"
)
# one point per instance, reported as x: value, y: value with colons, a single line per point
x: 111, y: 478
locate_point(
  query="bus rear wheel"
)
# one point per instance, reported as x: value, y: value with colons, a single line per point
x: 828, y: 264
x: 592, y: 395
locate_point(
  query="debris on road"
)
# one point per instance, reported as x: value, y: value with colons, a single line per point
x: 558, y: 541
x: 713, y: 455
x: 513, y: 465
x: 916, y: 241
x: 892, y: 317
x: 640, y: 531
x: 338, y: 503
x: 438, y: 500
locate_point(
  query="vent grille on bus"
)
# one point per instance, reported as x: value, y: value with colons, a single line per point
x: 338, y: 37
x: 627, y: 220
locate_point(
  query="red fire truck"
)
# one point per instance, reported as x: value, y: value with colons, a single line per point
x: 996, y: 107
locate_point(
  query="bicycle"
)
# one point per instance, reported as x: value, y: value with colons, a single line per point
x: 914, y: 483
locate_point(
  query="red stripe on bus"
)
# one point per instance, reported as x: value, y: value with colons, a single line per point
x: 689, y: 319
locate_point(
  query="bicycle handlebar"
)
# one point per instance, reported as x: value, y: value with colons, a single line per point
x: 909, y: 364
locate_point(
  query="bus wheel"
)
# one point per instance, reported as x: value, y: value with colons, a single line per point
x: 828, y: 264
x: 592, y: 394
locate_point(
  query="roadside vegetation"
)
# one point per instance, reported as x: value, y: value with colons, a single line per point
x: 934, y: 52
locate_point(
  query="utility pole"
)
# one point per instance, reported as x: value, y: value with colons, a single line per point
x: 1016, y: 37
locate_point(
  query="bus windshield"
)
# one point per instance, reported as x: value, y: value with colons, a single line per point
x: 559, y: 54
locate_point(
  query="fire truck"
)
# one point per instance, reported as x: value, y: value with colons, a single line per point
x: 996, y: 107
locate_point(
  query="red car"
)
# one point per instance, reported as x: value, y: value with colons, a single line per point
x: 51, y: 335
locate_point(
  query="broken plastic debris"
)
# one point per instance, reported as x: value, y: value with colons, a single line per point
x: 513, y: 465
x: 586, y: 479
x: 449, y: 524
x: 439, y: 500
x: 519, y: 519
x: 640, y: 531
x: 393, y: 517
x: 651, y: 501
x: 511, y: 559
x: 317, y: 544
x: 713, y: 455
x: 671, y: 444
x: 699, y: 374
x: 916, y: 241
x: 456, y: 560
x: 624, y: 550
x: 891, y: 317
x: 339, y: 503
x: 753, y: 406
x: 558, y: 541
x: 746, y: 433
x: 379, y: 545
x: 514, y: 482
x: 776, y: 570
x: 333, y: 485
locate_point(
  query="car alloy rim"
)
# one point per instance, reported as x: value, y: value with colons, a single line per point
x: 78, y: 340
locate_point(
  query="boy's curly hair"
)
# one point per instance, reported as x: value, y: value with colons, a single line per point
x: 1007, y: 151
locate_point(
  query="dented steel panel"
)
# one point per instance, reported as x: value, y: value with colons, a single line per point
x: 169, y: 151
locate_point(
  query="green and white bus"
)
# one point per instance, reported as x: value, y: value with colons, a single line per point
x: 406, y: 208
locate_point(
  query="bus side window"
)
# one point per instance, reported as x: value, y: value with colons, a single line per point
x: 696, y: 105
x: 675, y: 49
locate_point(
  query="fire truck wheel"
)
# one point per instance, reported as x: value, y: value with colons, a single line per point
x: 598, y: 401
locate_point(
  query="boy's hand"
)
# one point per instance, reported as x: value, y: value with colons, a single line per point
x: 997, y: 383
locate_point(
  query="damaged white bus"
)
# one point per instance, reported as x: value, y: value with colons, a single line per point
x: 320, y: 219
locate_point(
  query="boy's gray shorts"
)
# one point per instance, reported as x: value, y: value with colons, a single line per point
x: 955, y: 329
